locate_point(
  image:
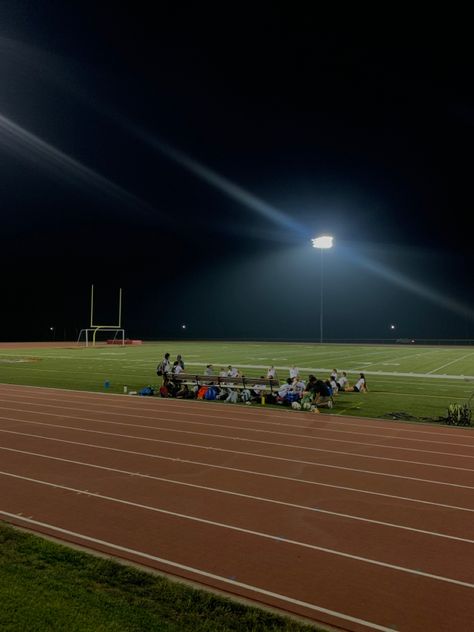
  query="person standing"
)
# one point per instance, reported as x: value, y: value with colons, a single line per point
x: 164, y: 366
x: 179, y: 360
x: 271, y: 373
x: 294, y: 373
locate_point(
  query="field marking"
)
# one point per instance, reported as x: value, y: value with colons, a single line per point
x: 218, y: 425
x: 225, y: 437
x: 311, y: 429
x: 240, y: 452
x: 238, y: 470
x: 200, y: 572
x: 453, y: 362
x: 245, y: 496
x: 251, y: 532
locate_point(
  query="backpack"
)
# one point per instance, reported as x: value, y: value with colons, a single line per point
x: 164, y: 392
x: 245, y: 395
x: 232, y: 397
x: 201, y: 392
x: 147, y: 390
x: 292, y: 397
x: 211, y: 393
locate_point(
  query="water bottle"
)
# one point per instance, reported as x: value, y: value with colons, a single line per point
x: 125, y: 389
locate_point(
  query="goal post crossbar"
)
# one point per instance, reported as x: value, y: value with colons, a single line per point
x: 102, y: 328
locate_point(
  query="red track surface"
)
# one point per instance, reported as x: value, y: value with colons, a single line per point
x: 357, y: 523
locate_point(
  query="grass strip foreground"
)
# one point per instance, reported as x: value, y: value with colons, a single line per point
x: 48, y: 587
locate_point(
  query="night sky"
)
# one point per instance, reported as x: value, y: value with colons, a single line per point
x: 189, y: 156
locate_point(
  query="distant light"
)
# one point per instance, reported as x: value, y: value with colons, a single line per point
x: 51, y: 329
x: 325, y: 241
x: 183, y: 326
x: 392, y: 326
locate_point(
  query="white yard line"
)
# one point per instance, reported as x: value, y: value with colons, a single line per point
x: 452, y: 362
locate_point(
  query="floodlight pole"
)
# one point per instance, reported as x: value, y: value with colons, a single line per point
x: 322, y: 243
x: 321, y: 300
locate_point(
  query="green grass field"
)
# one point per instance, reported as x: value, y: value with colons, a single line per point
x: 417, y: 381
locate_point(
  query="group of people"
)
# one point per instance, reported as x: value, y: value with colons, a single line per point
x: 318, y: 392
x: 312, y: 392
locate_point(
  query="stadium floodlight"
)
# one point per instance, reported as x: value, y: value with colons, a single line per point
x: 324, y: 242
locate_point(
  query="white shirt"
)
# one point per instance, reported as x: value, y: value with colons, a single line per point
x: 299, y: 386
x: 342, y: 381
x: 177, y: 369
x: 271, y: 373
x: 234, y: 372
x: 360, y: 383
x: 284, y: 389
x: 293, y: 372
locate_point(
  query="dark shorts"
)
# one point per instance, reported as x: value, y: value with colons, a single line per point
x: 356, y: 390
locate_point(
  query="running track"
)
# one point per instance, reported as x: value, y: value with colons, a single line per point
x: 360, y: 524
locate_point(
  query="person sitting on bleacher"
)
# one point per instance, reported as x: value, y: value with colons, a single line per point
x: 232, y: 371
x: 285, y: 388
x: 257, y: 391
x: 299, y: 385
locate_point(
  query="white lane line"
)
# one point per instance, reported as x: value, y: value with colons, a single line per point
x: 242, y: 495
x: 172, y: 405
x: 452, y: 362
x: 239, y: 470
x: 197, y: 571
x: 253, y: 454
x: 217, y: 425
x: 230, y: 527
x: 227, y: 438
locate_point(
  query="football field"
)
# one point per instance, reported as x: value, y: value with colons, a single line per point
x: 405, y: 381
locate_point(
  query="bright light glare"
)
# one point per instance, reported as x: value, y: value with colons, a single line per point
x: 325, y: 241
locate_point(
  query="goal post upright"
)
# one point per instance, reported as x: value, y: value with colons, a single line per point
x: 93, y: 328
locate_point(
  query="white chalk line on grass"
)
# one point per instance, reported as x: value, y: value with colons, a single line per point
x: 210, y: 422
x: 225, y: 437
x: 452, y: 362
x: 311, y: 437
x: 230, y: 527
x: 199, y: 572
x: 253, y: 454
x: 242, y: 495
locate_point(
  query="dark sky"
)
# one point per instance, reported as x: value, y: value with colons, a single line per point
x: 188, y: 155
